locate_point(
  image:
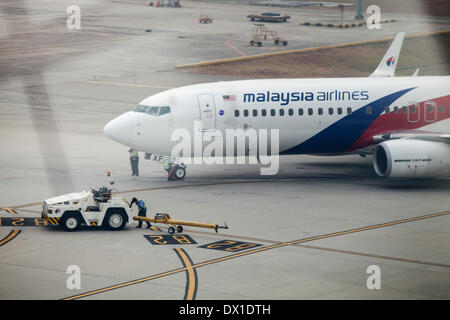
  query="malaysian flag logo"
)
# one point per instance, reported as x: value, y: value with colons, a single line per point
x: 229, y: 97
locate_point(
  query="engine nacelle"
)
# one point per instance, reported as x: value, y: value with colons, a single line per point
x: 409, y: 158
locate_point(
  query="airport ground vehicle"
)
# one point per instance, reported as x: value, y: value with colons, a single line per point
x: 261, y: 33
x: 204, y: 19
x: 90, y: 208
x: 268, y: 17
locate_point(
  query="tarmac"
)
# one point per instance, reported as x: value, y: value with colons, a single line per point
x: 309, y: 232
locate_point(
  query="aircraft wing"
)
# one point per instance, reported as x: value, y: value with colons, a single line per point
x: 414, y: 134
x: 388, y: 64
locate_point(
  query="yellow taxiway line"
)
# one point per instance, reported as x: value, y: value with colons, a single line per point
x: 191, y: 276
x: 278, y: 245
x: 9, y: 237
x: 305, y: 50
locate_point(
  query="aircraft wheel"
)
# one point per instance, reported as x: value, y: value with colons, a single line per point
x: 180, y: 173
x: 180, y: 229
x: 171, y: 230
x: 285, y: 43
x: 259, y: 44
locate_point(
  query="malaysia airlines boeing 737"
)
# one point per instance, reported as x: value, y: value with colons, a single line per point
x: 402, y: 121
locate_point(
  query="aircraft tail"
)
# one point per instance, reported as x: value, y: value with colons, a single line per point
x: 388, y: 64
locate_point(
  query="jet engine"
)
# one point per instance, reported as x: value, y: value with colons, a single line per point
x: 410, y: 158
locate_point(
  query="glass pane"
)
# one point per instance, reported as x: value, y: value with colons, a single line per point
x: 141, y: 108
x: 153, y: 111
x: 164, y: 110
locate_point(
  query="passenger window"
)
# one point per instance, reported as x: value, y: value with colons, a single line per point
x: 281, y: 112
x: 386, y: 109
x: 236, y: 113
x: 263, y: 112
x: 153, y: 111
x: 349, y: 110
x: 396, y: 110
x: 245, y: 113
x: 255, y: 112
x: 291, y: 112
x: 164, y: 110
x: 272, y: 112
x: 300, y: 111
x: 369, y: 110
x: 339, y: 110
x: 330, y: 111
x: 320, y: 111
x: 413, y: 109
x: 441, y: 109
x: 310, y: 111
x: 404, y: 109
x: 141, y: 108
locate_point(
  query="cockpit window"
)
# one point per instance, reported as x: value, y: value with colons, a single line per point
x: 141, y: 108
x: 164, y: 110
x: 153, y: 111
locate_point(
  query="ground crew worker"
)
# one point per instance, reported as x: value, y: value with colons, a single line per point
x: 134, y: 160
x: 168, y: 164
x: 142, y: 211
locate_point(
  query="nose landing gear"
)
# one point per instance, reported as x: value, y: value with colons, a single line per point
x: 176, y: 172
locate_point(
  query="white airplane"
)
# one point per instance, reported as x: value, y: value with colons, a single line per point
x: 402, y: 121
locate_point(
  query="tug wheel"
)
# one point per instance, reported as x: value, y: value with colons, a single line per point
x: 116, y: 221
x: 71, y: 222
x: 171, y: 230
x: 179, y: 229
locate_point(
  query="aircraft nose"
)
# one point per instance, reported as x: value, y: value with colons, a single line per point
x: 119, y: 129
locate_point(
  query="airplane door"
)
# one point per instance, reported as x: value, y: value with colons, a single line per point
x: 207, y: 111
